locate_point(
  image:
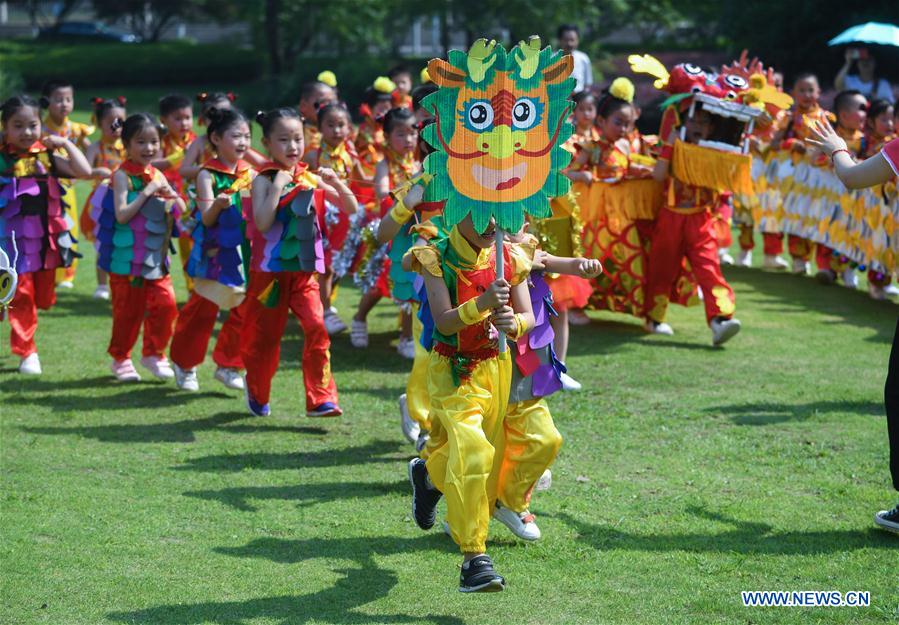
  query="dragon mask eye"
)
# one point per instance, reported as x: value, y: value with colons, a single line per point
x: 479, y: 115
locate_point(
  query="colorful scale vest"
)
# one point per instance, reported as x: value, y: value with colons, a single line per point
x: 216, y: 253
x: 294, y: 242
x: 401, y: 169
x: 140, y: 247
x: 33, y: 222
x: 537, y: 371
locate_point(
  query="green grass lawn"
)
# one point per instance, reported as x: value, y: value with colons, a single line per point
x: 687, y: 475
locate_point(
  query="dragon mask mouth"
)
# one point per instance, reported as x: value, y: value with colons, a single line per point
x: 499, y: 179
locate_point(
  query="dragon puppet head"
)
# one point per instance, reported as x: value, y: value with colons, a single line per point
x: 501, y: 119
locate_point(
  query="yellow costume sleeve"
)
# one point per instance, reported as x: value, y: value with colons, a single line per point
x: 521, y: 262
x: 425, y: 259
x: 426, y: 230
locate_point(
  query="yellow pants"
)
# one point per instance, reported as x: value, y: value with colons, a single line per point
x: 532, y: 443
x: 417, y: 400
x: 462, y: 449
x: 71, y: 209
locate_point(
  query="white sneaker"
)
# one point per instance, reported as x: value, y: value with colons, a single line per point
x: 422, y: 442
x: 186, y: 379
x: 850, y: 278
x: 774, y: 263
x: 744, y: 259
x: 891, y: 290
x: 724, y: 257
x: 30, y: 365
x: 231, y: 378
x: 101, y: 292
x: 654, y: 327
x: 800, y: 267
x: 545, y: 482
x: 333, y: 323
x: 159, y: 366
x: 124, y: 371
x: 65, y: 284
x: 406, y: 347
x: 359, y: 334
x: 569, y: 383
x: 410, y: 427
x: 522, y: 524
x: 723, y: 330
x: 876, y: 292
x: 577, y: 317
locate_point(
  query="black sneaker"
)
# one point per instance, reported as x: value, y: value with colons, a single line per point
x: 478, y: 576
x: 424, y: 497
x: 888, y: 519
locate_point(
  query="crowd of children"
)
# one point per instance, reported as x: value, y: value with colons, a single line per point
x: 262, y: 235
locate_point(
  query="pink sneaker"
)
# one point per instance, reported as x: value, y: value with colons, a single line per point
x: 124, y: 371
x: 159, y: 366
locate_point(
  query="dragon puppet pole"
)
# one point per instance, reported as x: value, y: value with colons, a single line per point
x: 500, y: 273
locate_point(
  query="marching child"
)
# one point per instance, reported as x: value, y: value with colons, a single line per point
x: 397, y: 168
x: 684, y: 229
x: 314, y: 96
x: 879, y: 131
x: 850, y: 108
x: 336, y: 152
x: 58, y: 97
x: 286, y: 255
x: 133, y: 240
x: 176, y: 114
x: 468, y: 382
x: 34, y: 230
x: 216, y: 260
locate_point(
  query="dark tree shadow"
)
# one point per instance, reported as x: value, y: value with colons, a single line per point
x: 746, y: 537
x: 339, y: 604
x: 374, y: 452
x: 784, y: 293
x: 768, y: 413
x: 183, y: 431
x: 303, y: 494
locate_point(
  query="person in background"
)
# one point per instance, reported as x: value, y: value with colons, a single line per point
x: 865, y: 80
x: 569, y: 39
x: 402, y: 78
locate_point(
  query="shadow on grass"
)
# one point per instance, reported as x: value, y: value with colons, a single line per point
x: 746, y: 537
x: 303, y: 494
x: 768, y: 413
x: 80, y: 305
x: 339, y: 604
x: 131, y: 397
x: 183, y: 431
x: 374, y: 452
x: 785, y: 293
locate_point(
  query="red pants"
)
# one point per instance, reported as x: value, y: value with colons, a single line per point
x: 773, y: 243
x: 746, y: 238
x: 692, y: 236
x: 137, y: 302
x: 721, y: 220
x: 35, y: 291
x: 193, y: 330
x: 800, y: 248
x: 263, y: 328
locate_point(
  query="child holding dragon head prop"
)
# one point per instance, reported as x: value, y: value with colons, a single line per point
x: 500, y: 122
x: 704, y: 154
